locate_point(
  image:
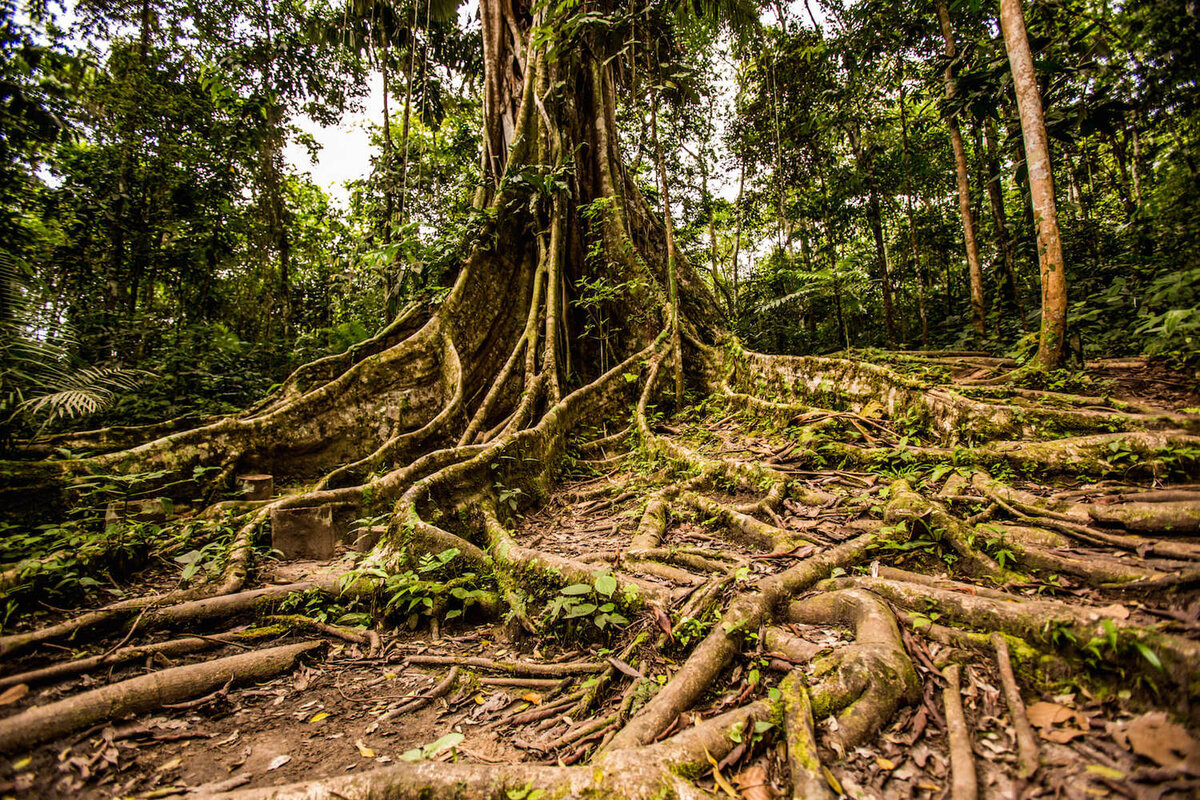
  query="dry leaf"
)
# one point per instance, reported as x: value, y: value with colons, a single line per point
x: 363, y: 750
x: 170, y: 765
x: 663, y: 621
x: 1115, y: 611
x: 13, y: 694
x: 1106, y: 772
x: 532, y: 697
x: 1057, y: 723
x: 753, y: 783
x: 885, y: 763
x: 621, y: 666
x: 831, y: 780
x: 277, y: 762
x: 320, y: 715
x: 719, y: 778
x: 1160, y: 740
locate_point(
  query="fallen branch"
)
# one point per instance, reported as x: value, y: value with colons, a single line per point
x: 145, y: 693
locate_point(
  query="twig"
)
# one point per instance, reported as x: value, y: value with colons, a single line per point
x: 1026, y: 742
x: 437, y: 691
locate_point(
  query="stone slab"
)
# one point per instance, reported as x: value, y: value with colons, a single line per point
x: 304, y: 532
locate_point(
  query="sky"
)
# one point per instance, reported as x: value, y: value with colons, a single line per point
x: 345, y: 153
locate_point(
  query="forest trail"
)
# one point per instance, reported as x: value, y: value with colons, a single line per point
x: 939, y: 595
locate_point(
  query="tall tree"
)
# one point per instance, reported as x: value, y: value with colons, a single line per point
x: 1052, y: 342
x: 975, y: 269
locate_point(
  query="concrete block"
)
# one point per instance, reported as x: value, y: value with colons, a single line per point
x: 256, y: 487
x: 363, y: 539
x: 304, y: 532
x: 153, y: 510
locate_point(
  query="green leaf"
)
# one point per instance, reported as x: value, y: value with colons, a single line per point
x: 606, y: 585
x: 581, y: 610
x: 576, y: 589
x: 1149, y: 655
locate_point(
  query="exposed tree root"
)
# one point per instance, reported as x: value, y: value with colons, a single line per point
x: 964, y: 785
x: 142, y: 694
x: 692, y: 548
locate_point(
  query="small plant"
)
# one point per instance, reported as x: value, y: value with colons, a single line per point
x: 430, y: 589
x: 447, y: 742
x: 591, y: 601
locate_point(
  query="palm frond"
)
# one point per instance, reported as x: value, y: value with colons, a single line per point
x: 80, y: 392
x: 739, y: 17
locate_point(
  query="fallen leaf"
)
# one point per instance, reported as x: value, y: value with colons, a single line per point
x: 885, y: 763
x: 277, y: 762
x: 621, y: 666
x: 13, y: 694
x: 363, y: 750
x: 320, y: 715
x: 22, y: 763
x: 719, y: 778
x: 1057, y: 723
x: 1106, y: 772
x: 1043, y: 714
x: 663, y: 621
x: 169, y: 765
x: 1157, y: 738
x: 753, y: 783
x: 832, y: 781
x: 532, y: 697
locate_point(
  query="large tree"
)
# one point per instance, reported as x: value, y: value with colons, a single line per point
x: 454, y: 417
x: 1052, y: 342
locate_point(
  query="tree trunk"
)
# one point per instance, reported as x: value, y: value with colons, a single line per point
x: 875, y: 219
x: 404, y: 130
x: 1041, y: 186
x: 672, y: 256
x: 974, y: 268
x: 912, y: 228
x: 1000, y: 220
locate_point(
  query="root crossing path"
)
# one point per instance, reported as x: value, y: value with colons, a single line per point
x: 884, y: 577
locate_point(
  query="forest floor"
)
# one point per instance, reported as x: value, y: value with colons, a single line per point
x: 1108, y: 720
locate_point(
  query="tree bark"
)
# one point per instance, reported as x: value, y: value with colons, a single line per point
x: 975, y: 270
x: 1041, y: 186
x: 912, y: 228
x: 1000, y: 220
x: 875, y: 218
x: 672, y: 256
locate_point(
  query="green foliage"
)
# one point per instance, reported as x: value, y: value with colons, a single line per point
x: 433, y: 588
x: 593, y: 602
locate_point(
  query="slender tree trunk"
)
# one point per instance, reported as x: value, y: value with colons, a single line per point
x: 714, y: 260
x: 404, y: 130
x: 1041, y: 186
x: 672, y: 256
x: 392, y: 279
x: 785, y: 244
x: 1000, y: 220
x: 974, y: 267
x: 1123, y: 182
x: 389, y: 188
x: 1134, y: 163
x: 912, y: 228
x: 831, y: 241
x: 737, y: 239
x: 875, y: 218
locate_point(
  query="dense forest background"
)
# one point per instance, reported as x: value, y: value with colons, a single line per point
x: 160, y: 257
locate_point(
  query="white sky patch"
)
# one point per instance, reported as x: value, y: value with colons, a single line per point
x: 345, y: 153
